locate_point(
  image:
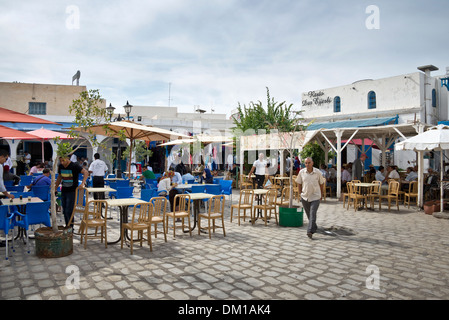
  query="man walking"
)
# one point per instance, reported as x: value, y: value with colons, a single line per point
x: 98, y: 169
x: 311, y: 188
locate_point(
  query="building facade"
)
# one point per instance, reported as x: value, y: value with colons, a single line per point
x: 412, y: 98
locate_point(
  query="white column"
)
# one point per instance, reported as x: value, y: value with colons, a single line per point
x: 338, y: 133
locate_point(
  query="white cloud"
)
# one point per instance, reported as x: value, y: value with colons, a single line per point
x: 217, y: 53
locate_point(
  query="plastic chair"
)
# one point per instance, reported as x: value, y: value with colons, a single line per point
x: 36, y: 213
x: 122, y: 183
x: 113, y: 185
x: 226, y: 189
x: 147, y: 194
x: 26, y: 180
x: 124, y: 192
x: 8, y: 183
x: 15, y: 188
x: 42, y: 192
x: 152, y: 182
x: 214, y: 189
x: 6, y: 224
x: 192, y: 181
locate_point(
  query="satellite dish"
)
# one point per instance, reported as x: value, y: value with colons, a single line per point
x: 77, y: 78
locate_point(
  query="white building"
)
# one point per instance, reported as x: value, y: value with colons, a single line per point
x: 410, y: 98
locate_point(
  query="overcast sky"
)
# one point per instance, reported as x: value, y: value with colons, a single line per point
x: 217, y: 53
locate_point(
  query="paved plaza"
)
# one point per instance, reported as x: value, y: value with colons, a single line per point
x: 371, y: 255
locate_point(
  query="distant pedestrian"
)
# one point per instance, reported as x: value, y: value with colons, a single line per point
x: 97, y: 169
x: 311, y: 188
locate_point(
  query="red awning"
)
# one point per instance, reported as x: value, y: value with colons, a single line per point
x: 7, y: 115
x: 45, y: 134
x: 10, y: 134
x: 358, y: 142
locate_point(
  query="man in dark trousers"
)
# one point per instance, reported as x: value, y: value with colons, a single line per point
x: 311, y: 185
x: 358, y: 168
x: 98, y: 169
x: 68, y: 174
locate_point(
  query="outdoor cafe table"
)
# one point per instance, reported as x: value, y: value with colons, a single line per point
x: 282, y: 179
x: 365, y: 187
x: 123, y: 205
x: 258, y: 193
x: 196, y: 198
x: 98, y: 189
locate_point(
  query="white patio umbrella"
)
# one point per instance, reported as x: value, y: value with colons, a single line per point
x: 434, y: 139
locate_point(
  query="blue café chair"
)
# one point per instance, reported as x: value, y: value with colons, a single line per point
x: 8, y: 183
x: 147, y: 194
x: 226, y: 189
x: 26, y: 180
x: 124, y: 192
x: 6, y: 224
x: 213, y: 189
x: 15, y: 188
x: 36, y: 213
x: 122, y: 183
x: 42, y: 192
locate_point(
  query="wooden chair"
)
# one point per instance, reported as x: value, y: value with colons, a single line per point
x: 355, y: 196
x: 374, y: 193
x: 245, y: 183
x: 216, y: 211
x: 93, y: 218
x: 245, y: 203
x: 140, y: 222
x: 393, y: 193
x: 285, y: 197
x: 328, y: 188
x: 412, y: 193
x: 181, y: 212
x: 158, y: 215
x: 79, y: 207
x: 346, y: 194
x: 268, y: 206
x: 274, y: 185
x: 296, y: 194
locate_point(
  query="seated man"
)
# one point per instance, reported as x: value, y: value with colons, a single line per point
x: 430, y: 182
x: 146, y: 174
x: 43, y: 180
x: 411, y: 176
x: 187, y: 176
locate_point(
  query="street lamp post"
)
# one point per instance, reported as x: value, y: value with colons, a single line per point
x: 110, y: 112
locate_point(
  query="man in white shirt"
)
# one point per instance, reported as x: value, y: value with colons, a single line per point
x: 98, y: 169
x: 74, y: 158
x: 311, y: 188
x: 259, y: 166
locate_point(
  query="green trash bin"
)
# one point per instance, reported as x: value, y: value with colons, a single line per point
x: 291, y: 217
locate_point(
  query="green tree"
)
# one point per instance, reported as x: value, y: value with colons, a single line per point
x: 88, y: 112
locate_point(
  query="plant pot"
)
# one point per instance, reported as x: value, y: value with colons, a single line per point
x: 53, y: 245
x: 291, y: 217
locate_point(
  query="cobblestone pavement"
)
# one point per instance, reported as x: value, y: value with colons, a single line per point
x: 407, y: 249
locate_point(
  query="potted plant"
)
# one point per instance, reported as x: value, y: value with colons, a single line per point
x: 57, y: 241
